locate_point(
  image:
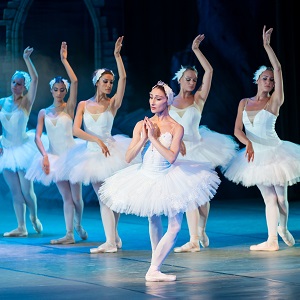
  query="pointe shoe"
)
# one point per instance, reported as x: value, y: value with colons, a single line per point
x: 188, y: 247
x: 286, y: 236
x: 104, y: 248
x: 159, y: 276
x: 119, y: 244
x: 37, y: 225
x: 81, y: 232
x: 66, y: 240
x: 204, y: 240
x: 266, y: 246
x: 16, y: 233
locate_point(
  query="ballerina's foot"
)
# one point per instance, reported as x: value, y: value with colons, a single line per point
x: 16, y: 233
x: 81, y: 232
x: 286, y: 236
x: 119, y: 243
x: 204, y: 240
x: 266, y: 246
x: 37, y: 225
x: 104, y: 248
x: 188, y: 247
x: 159, y: 276
x: 66, y: 240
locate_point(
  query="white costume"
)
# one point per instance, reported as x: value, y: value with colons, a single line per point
x: 276, y: 162
x: 156, y: 187
x: 18, y: 144
x: 60, y: 135
x: 85, y: 162
x: 203, y: 144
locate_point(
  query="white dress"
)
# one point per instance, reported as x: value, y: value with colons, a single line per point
x: 60, y: 135
x: 203, y: 144
x: 156, y: 187
x: 276, y: 162
x: 18, y: 144
x: 86, y: 163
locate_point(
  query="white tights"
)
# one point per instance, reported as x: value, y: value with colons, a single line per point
x: 109, y: 218
x: 197, y: 220
x: 23, y: 196
x: 73, y: 203
x: 162, y: 244
x: 277, y: 207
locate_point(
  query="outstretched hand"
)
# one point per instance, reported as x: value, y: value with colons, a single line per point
x: 118, y: 45
x: 63, y: 50
x: 267, y: 35
x: 196, y: 43
x: 27, y: 52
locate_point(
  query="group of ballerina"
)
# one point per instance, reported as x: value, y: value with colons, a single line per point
x: 168, y: 166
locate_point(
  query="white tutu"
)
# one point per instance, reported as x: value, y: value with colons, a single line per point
x: 87, y: 164
x: 35, y: 171
x: 181, y: 187
x: 20, y: 157
x: 212, y: 147
x: 274, y: 166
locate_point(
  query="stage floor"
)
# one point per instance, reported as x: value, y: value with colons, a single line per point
x: 32, y: 268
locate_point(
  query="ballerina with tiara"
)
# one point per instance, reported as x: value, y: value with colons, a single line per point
x: 267, y: 161
x: 102, y: 154
x: 201, y: 143
x: 17, y: 146
x: 58, y: 121
x: 159, y: 185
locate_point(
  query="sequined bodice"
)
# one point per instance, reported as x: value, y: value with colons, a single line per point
x: 153, y: 161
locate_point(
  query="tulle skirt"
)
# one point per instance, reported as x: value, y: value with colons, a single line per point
x: 35, y: 171
x: 214, y: 147
x: 184, y: 186
x: 278, y: 165
x: 20, y: 157
x: 87, y: 164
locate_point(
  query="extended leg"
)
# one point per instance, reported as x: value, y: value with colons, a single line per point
x: 109, y: 225
x: 164, y: 246
x: 76, y: 190
x: 30, y: 200
x: 204, y: 212
x: 283, y: 205
x: 272, y: 218
x: 19, y: 204
x: 69, y: 208
x: 193, y: 218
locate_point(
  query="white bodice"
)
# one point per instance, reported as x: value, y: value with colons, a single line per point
x: 59, y: 132
x: 13, y: 127
x: 189, y: 118
x: 261, y: 131
x: 99, y: 125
